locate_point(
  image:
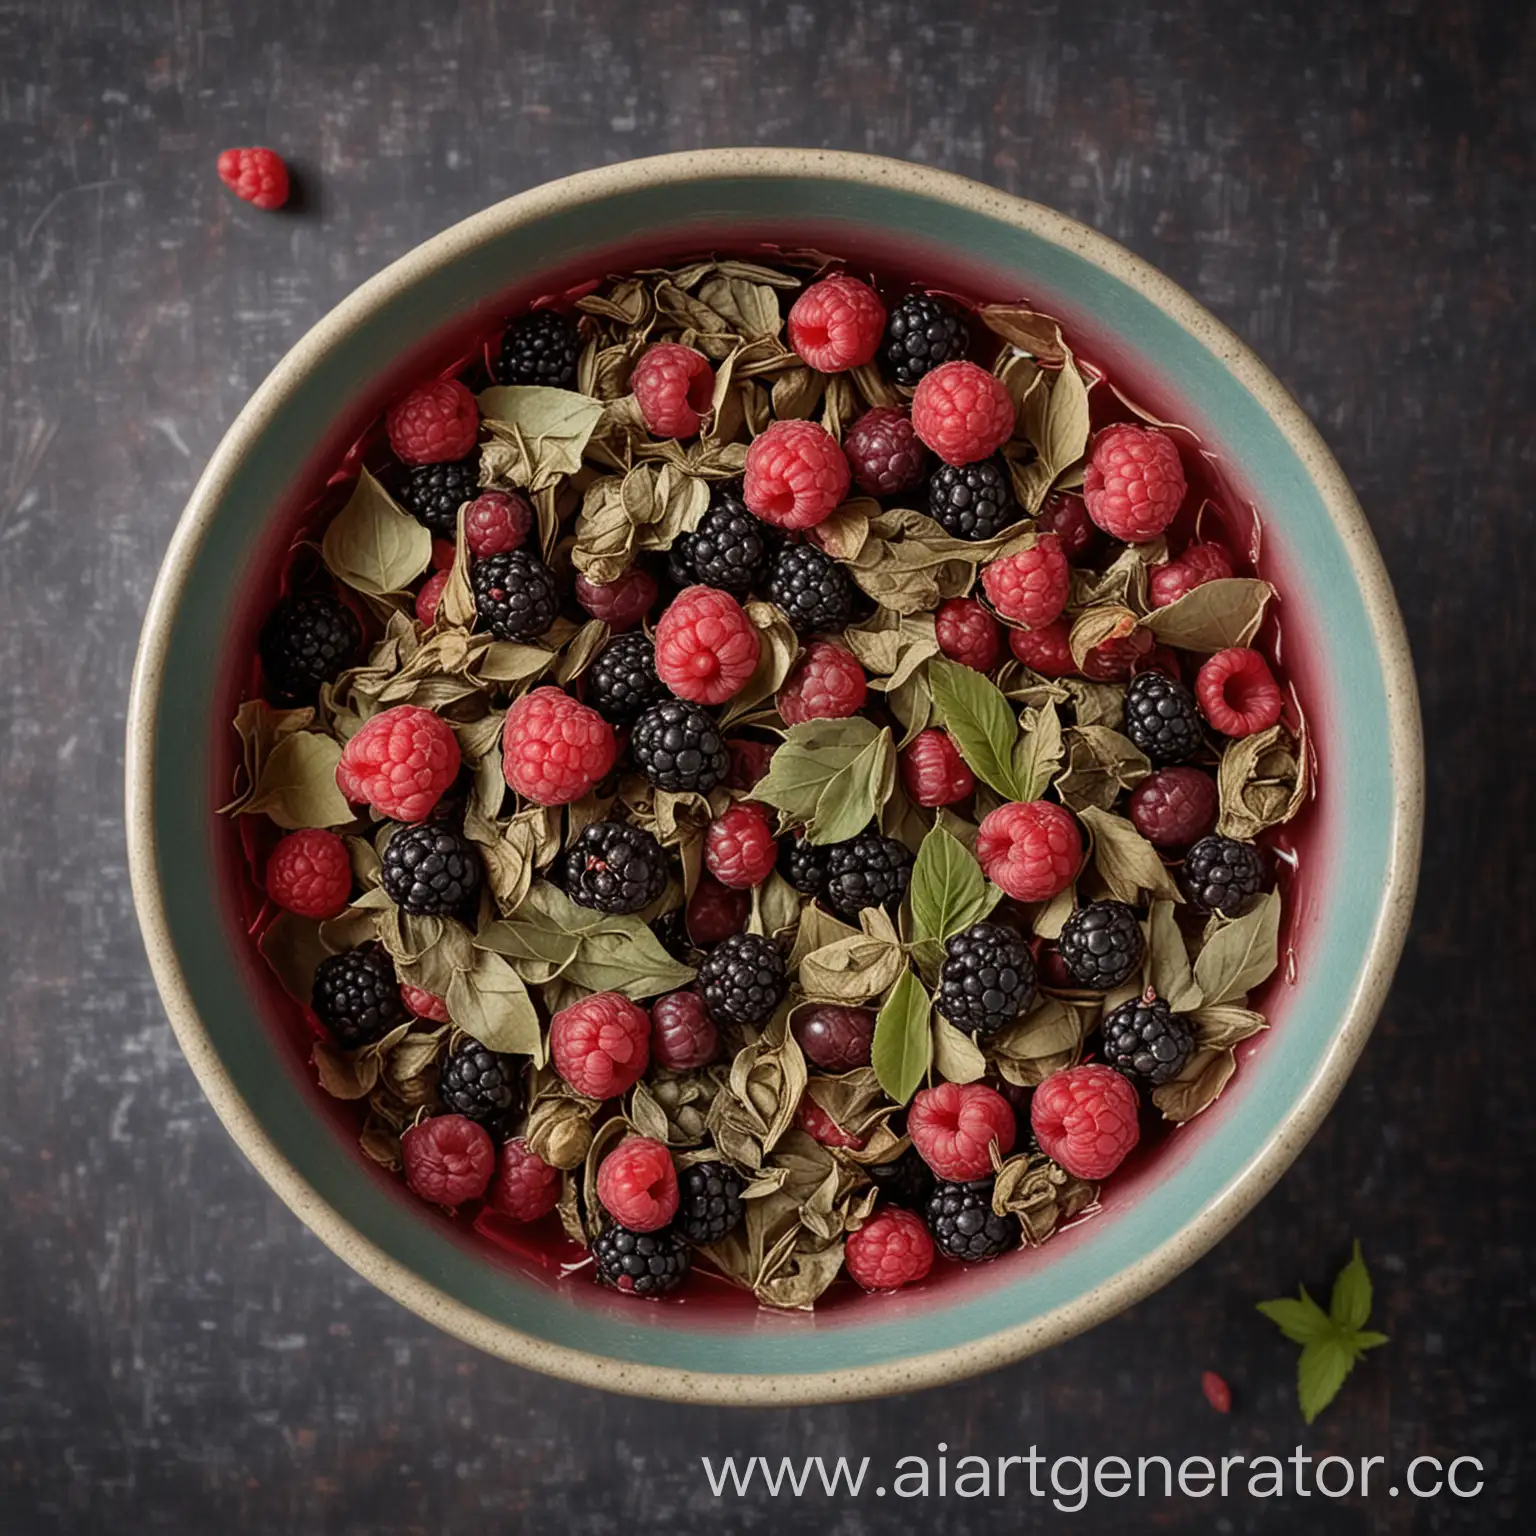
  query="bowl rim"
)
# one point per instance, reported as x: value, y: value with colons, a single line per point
x: 1247, y: 1184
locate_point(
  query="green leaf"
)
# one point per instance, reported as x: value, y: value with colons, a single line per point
x: 902, y: 1046
x: 297, y: 787
x: 1038, y: 753
x: 1364, y: 1339
x: 980, y: 721
x: 948, y: 890
x: 1350, y: 1304
x: 1242, y: 953
x: 372, y: 545
x: 1320, y: 1373
x: 1301, y: 1321
x: 1168, y: 968
x: 809, y: 757
x: 854, y: 794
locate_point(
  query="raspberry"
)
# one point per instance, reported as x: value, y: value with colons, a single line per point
x: 883, y: 452
x: 820, y: 1126
x: 730, y: 548
x: 952, y: 1125
x: 739, y: 849
x: 553, y: 749
x: 967, y: 633
x: 742, y: 979
x: 907, y: 1181
x: 1145, y: 1038
x: 673, y: 386
x: 448, y: 1159
x: 515, y: 595
x: 1113, y: 661
x: 1161, y: 718
x: 921, y: 333
x: 1223, y: 875
x: 1047, y: 650
x: 828, y: 684
x: 1174, y: 807
x: 1067, y: 517
x: 1238, y: 692
x: 431, y: 871
x: 355, y: 995
x: 837, y: 324
x: 804, y: 865
x: 641, y: 1263
x: 434, y: 423
x: 613, y: 867
x: 310, y: 873
x: 1134, y: 482
x: 987, y: 979
x: 682, y: 1036
x: 1085, y: 1119
x: 811, y: 588
x: 678, y: 746
x: 972, y: 501
x: 433, y: 493
x: 710, y: 1203
x: 428, y: 598
x: 964, y: 1225
x: 541, y: 348
x: 444, y: 553
x: 255, y: 176
x: 890, y: 1250
x: 637, y: 1184
x: 962, y: 412
x: 933, y: 770
x: 749, y: 761
x: 424, y: 1004
x: 1031, y: 849
x: 1198, y: 564
x: 1031, y: 587
x: 622, y: 681
x: 400, y: 763
x: 525, y: 1187
x: 706, y: 647
x: 481, y: 1084
x: 601, y: 1045
x: 622, y: 602
x: 1101, y: 945
x: 496, y: 523
x: 715, y: 911
x: 835, y: 1038
x: 796, y: 474
x: 307, y: 641
x: 867, y: 871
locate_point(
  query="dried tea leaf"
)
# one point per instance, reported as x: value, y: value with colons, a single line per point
x: 1197, y: 1087
x: 980, y: 722
x: 293, y: 947
x: 818, y: 928
x: 777, y: 651
x: 1095, y: 703
x: 581, y: 650
x: 1128, y: 863
x: 1168, y: 969
x: 604, y: 1139
x: 1094, y: 626
x: 1214, y: 616
x: 1240, y: 953
x: 947, y: 890
x: 260, y: 728
x: 1063, y: 436
x: 345, y: 1074
x: 775, y: 907
x: 797, y: 1282
x: 1046, y: 1039
x: 852, y: 969
x: 956, y: 1056
x: 1225, y: 1025
x: 1038, y: 754
x: 1042, y: 1194
x: 845, y: 531
x: 751, y: 308
x: 491, y: 1003
x: 605, y: 532
x: 548, y: 428
x: 903, y: 1044
x: 372, y: 545
x: 1100, y: 764
x: 797, y: 393
x: 1022, y: 327
x: 1263, y: 781
x: 297, y: 786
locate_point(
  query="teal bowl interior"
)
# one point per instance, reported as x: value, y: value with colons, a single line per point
x: 1342, y: 648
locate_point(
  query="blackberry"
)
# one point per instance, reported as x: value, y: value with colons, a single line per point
x: 1161, y: 718
x: 433, y: 493
x: 908, y: 1181
x: 356, y: 996
x: 1223, y: 875
x: 678, y: 746
x: 811, y: 588
x: 614, y: 867
x: 1101, y: 945
x: 481, y: 1084
x: 514, y: 595
x: 867, y: 871
x: 622, y: 680
x: 921, y: 333
x: 964, y: 1225
x: 641, y: 1263
x: 710, y: 1202
x: 305, y: 642
x: 431, y: 870
x: 679, y: 565
x: 1146, y: 1039
x: 972, y: 501
x: 987, y: 979
x: 742, y: 979
x: 541, y: 348
x: 730, y: 548
x: 803, y: 864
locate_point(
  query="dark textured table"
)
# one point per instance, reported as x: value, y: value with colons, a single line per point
x: 1347, y: 185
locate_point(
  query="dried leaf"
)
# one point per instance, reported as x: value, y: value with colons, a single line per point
x: 1128, y: 863
x: 1214, y: 616
x: 1263, y: 781
x: 1240, y: 953
x: 297, y: 786
x: 777, y: 651
x: 850, y: 970
x: 1168, y: 969
x: 1225, y: 1025
x: 1040, y: 1193
x: 1197, y: 1087
x: 491, y: 1003
x: 1022, y: 327
x: 1094, y: 626
x: 956, y: 1056
x: 293, y: 947
x: 1100, y: 764
x: 547, y: 429
x: 372, y: 545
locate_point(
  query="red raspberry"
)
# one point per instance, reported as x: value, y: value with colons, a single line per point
x: 429, y: 596
x: 1085, y: 1119
x: 525, y: 1187
x: 1238, y: 692
x: 496, y: 523
x: 683, y: 1036
x: 962, y: 412
x: 1067, y: 517
x: 1134, y: 482
x: 715, y: 912
x: 890, y: 1250
x: 448, y: 1159
x: 820, y: 1126
x: 1113, y: 661
x: 1031, y: 587
x: 1047, y: 650
x: 434, y: 423
x: 622, y: 602
x: 1198, y: 564
x: 796, y: 474
x: 1174, y: 807
x: 884, y: 454
x: 828, y: 684
x: 424, y: 1004
x: 309, y: 873
x: 706, y: 647
x: 637, y: 1184
x: 400, y: 763
x: 739, y: 848
x: 601, y: 1045
x: 443, y: 554
x: 933, y: 770
x: 255, y: 176
x: 835, y: 1038
x: 1161, y: 659
x: 967, y: 633
x: 673, y: 386
x: 749, y: 761
x: 553, y: 750
x: 953, y: 1124
x: 1032, y: 849
x: 837, y: 324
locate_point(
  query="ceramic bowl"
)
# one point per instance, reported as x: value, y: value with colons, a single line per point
x: 1343, y: 647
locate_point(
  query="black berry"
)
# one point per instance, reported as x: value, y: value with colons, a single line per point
x: 921, y: 333
x: 1146, y: 1039
x: 867, y: 871
x: 1101, y: 945
x: 641, y: 1263
x: 515, y: 595
x: 730, y: 548
x: 622, y: 680
x: 357, y: 997
x: 1223, y: 875
x: 803, y: 864
x: 972, y: 501
x: 678, y: 746
x: 987, y: 979
x: 742, y: 979
x: 481, y: 1084
x: 964, y: 1225
x: 541, y: 348
x: 908, y: 1181
x: 614, y: 867
x: 709, y: 1202
x: 811, y: 588
x: 433, y: 493
x: 431, y: 870
x: 305, y: 642
x: 1161, y: 718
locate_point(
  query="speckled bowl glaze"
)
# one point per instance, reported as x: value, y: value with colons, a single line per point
x: 1343, y: 646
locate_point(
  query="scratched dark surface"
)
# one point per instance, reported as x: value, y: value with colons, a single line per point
x: 1348, y: 186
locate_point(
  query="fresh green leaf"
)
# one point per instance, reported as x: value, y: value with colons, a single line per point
x: 1038, y: 753
x: 372, y: 545
x: 1350, y: 1304
x: 1301, y: 1321
x: 903, y: 1046
x: 1320, y: 1373
x: 854, y: 794
x: 831, y: 776
x: 980, y: 722
x: 948, y: 890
